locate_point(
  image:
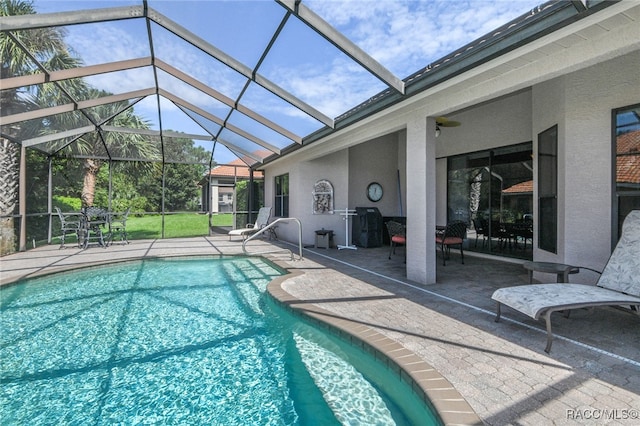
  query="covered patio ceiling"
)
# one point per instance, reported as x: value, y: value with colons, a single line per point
x: 178, y: 80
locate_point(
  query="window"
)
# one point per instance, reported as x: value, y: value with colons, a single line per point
x: 626, y: 146
x: 281, y: 204
x: 548, y: 190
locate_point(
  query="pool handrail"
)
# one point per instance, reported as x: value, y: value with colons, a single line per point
x: 268, y: 228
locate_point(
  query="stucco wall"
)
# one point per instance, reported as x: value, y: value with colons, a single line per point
x: 375, y: 161
x: 302, y: 176
x: 590, y: 97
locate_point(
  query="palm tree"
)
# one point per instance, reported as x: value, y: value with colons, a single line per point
x: 118, y: 144
x: 90, y: 145
x: 48, y: 47
x: 43, y: 43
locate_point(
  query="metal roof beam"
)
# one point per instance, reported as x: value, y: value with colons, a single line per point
x: 23, y: 22
x: 236, y: 148
x: 336, y: 38
x: 178, y: 135
x: 232, y: 63
x: 46, y: 112
x: 41, y: 78
x: 42, y: 20
x: 217, y: 120
x: 60, y: 135
x: 226, y: 100
x: 131, y: 130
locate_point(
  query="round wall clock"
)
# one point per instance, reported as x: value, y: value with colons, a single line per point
x: 374, y: 191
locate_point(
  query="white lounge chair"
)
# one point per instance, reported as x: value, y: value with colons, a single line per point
x: 619, y: 284
x: 261, y: 221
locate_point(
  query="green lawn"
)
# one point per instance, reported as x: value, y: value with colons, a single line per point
x: 175, y: 225
x: 150, y: 226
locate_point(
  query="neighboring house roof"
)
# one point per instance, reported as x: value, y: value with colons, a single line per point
x: 520, y: 188
x: 236, y: 168
x: 628, y: 160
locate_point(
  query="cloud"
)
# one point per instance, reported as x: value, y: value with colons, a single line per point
x: 405, y: 36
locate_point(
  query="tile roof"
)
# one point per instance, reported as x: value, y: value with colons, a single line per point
x: 520, y: 188
x: 628, y: 158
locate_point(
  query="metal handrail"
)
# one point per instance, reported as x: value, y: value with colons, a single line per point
x: 272, y: 225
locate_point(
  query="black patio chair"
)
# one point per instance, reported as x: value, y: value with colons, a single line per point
x: 480, y: 231
x: 453, y: 234
x: 397, y: 236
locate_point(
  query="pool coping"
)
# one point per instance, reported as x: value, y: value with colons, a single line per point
x: 431, y: 386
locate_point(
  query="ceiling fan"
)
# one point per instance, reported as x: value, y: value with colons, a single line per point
x: 445, y: 122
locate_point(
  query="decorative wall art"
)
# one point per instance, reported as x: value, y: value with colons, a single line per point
x: 323, y: 197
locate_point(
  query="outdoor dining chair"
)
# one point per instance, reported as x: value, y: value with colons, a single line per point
x: 397, y: 235
x: 453, y: 234
x: 118, y: 226
x: 69, y: 224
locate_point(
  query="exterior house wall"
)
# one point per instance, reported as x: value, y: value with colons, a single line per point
x: 590, y: 96
x: 375, y: 161
x: 549, y: 110
x: 560, y: 78
x: 302, y: 176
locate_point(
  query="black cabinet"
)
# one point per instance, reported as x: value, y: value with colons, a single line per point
x: 367, y: 227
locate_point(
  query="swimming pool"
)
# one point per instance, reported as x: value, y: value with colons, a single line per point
x: 190, y: 341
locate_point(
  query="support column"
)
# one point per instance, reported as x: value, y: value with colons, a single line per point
x: 22, y: 209
x: 421, y: 199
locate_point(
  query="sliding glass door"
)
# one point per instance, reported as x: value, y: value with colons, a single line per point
x: 492, y: 191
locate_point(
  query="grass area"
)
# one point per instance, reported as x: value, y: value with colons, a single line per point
x: 175, y: 225
x: 150, y: 226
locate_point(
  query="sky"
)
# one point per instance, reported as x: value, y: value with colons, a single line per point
x: 404, y: 36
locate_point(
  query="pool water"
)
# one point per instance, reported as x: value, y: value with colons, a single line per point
x: 189, y: 341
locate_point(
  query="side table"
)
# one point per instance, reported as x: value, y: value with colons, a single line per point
x: 324, y: 238
x: 561, y: 270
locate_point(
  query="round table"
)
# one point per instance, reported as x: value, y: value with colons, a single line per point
x: 561, y: 270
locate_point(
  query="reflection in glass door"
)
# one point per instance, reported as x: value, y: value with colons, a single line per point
x: 492, y: 191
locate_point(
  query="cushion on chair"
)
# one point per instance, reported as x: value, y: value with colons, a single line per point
x: 449, y: 240
x: 399, y: 239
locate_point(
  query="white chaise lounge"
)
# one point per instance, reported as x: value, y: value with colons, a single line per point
x: 619, y: 284
x: 261, y: 221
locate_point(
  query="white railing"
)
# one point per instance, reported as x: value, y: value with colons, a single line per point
x: 269, y: 228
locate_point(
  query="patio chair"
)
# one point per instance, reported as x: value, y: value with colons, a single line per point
x: 118, y: 226
x: 261, y: 221
x: 480, y: 231
x: 69, y: 224
x: 453, y: 234
x: 618, y: 285
x: 397, y: 236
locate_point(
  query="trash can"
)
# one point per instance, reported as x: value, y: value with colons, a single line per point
x: 324, y: 238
